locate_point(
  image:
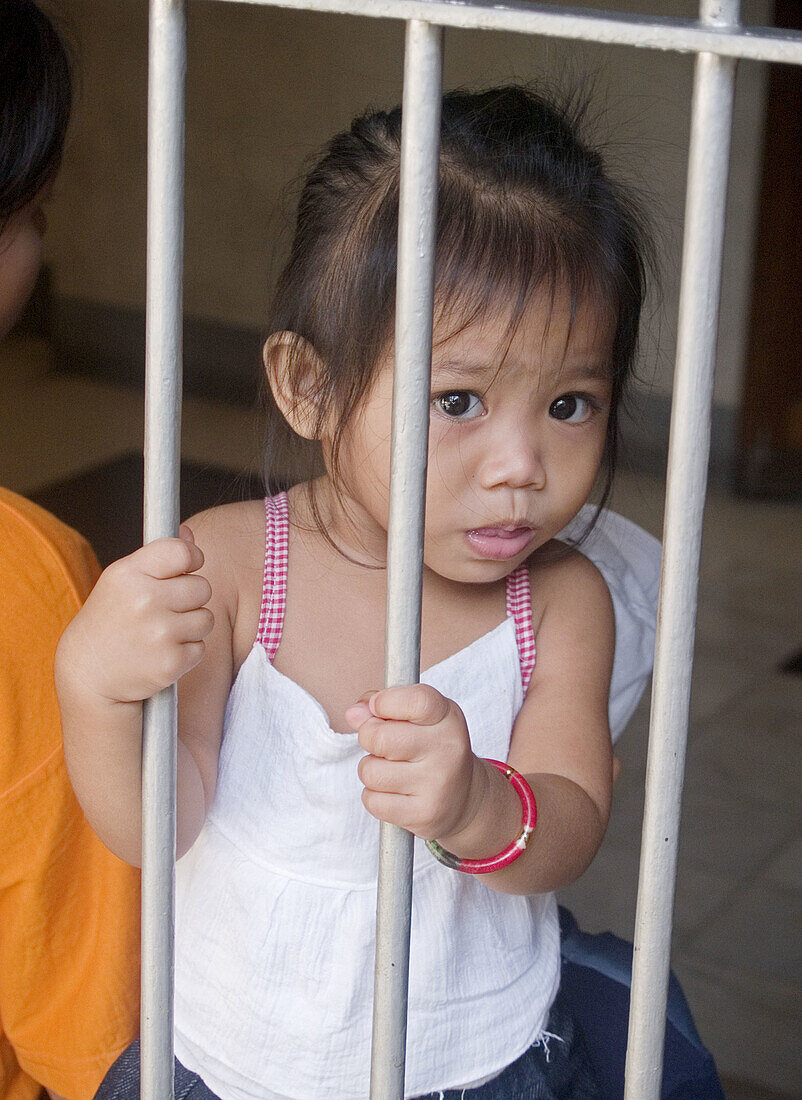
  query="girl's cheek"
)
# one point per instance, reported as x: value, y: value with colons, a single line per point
x: 448, y: 459
x: 20, y: 259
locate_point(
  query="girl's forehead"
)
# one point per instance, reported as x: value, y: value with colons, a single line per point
x: 547, y: 322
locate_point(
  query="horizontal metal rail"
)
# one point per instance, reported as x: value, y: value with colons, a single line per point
x: 606, y: 28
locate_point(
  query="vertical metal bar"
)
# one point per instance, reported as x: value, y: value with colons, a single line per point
x: 420, y: 144
x: 166, y: 78
x: 689, y: 446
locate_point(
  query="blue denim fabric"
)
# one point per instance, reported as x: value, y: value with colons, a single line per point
x: 595, y: 983
x: 556, y: 1069
x: 122, y: 1080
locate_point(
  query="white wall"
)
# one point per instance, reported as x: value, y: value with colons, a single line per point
x: 266, y: 87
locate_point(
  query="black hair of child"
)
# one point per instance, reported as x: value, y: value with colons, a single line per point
x: 524, y: 203
x: 35, y: 103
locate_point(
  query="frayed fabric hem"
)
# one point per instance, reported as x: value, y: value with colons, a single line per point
x: 543, y: 1041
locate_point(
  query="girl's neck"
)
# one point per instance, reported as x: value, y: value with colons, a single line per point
x: 331, y: 530
x: 330, y: 521
x: 333, y: 638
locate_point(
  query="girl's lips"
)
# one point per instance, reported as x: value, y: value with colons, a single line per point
x: 499, y: 543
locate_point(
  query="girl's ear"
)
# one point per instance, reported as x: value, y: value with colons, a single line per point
x: 295, y: 372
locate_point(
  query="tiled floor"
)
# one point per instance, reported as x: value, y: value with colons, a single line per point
x: 738, y: 930
x: 738, y: 917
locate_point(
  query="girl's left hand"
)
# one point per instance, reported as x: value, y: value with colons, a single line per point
x: 420, y: 772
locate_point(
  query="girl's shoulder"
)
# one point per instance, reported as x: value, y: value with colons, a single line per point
x: 230, y: 529
x: 574, y: 622
x: 562, y: 578
x: 232, y: 538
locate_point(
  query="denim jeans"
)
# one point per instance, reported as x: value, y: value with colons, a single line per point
x: 556, y: 1068
x: 122, y: 1080
x: 595, y: 983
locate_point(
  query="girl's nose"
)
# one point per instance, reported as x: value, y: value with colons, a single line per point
x: 513, y: 459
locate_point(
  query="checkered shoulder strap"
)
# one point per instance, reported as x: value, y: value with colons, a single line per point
x: 274, y: 586
x: 519, y: 608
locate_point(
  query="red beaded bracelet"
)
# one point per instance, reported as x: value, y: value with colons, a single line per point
x: 512, y: 851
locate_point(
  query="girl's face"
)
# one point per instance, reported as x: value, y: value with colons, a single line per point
x: 20, y: 258
x: 517, y: 433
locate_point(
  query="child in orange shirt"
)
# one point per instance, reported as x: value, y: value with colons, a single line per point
x: 69, y: 951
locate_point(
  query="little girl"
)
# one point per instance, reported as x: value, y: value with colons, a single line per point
x: 288, y: 752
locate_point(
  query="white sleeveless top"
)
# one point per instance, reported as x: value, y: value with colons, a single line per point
x: 276, y: 900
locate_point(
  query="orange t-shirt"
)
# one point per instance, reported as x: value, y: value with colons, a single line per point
x: 69, y: 909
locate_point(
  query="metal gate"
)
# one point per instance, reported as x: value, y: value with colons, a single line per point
x: 718, y: 40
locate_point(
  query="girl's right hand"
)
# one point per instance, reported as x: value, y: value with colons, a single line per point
x: 143, y: 625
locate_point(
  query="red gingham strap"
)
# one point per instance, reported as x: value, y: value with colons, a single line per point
x: 274, y: 591
x: 274, y: 586
x: 519, y: 608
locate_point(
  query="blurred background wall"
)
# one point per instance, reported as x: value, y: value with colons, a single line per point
x: 265, y: 89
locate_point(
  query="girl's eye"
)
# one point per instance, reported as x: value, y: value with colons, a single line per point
x: 459, y: 404
x: 571, y: 408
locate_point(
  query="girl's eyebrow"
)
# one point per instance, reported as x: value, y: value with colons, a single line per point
x: 592, y: 371
x: 586, y: 372
x: 471, y: 368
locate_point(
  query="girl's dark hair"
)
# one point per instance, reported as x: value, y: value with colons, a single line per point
x: 523, y: 202
x: 35, y: 102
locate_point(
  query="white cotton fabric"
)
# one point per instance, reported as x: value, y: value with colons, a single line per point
x: 276, y: 900
x: 629, y: 560
x: 276, y: 908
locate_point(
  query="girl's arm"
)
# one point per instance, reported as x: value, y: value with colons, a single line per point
x: 560, y: 741
x: 423, y: 775
x: 149, y: 621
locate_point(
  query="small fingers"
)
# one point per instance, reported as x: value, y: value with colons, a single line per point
x: 187, y: 592
x: 193, y: 655
x: 379, y: 774
x: 195, y: 625
x: 397, y: 809
x: 418, y: 703
x: 389, y: 740
x: 357, y: 714
x: 164, y: 558
x: 174, y: 664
